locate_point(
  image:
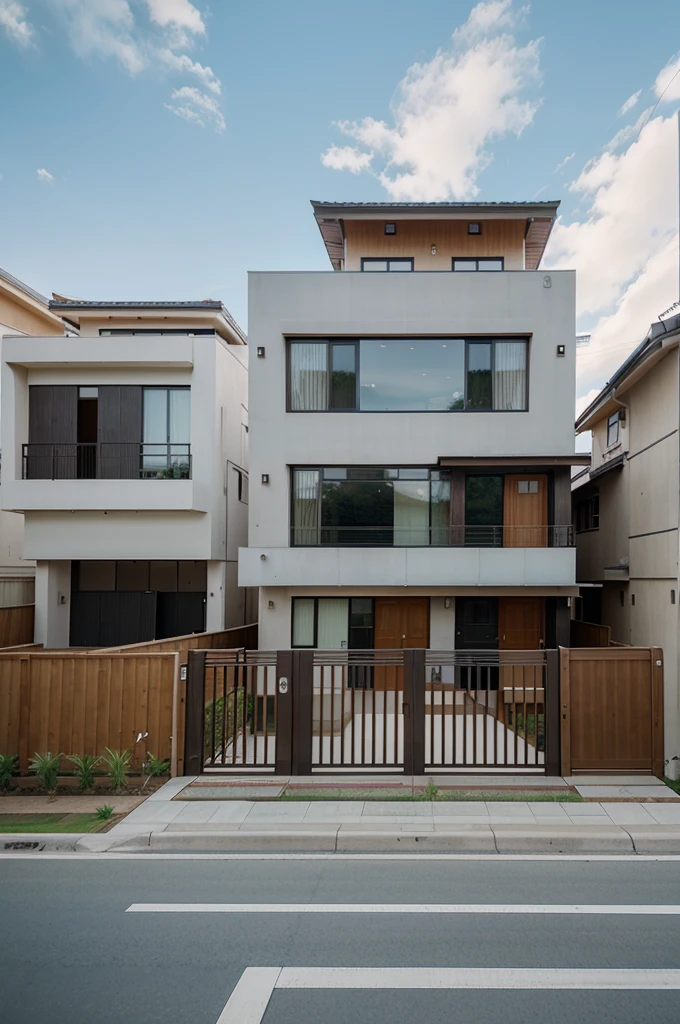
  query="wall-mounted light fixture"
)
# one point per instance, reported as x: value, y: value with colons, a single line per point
x: 561, y: 350
x: 260, y: 351
x: 433, y: 250
x: 390, y: 228
x: 474, y: 228
x: 265, y: 478
x: 447, y: 602
x: 270, y: 605
x: 263, y: 557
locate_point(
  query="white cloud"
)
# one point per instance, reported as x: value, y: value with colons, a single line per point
x: 194, y: 105
x: 182, y: 63
x: 346, y: 158
x: 563, y: 163
x: 13, y: 21
x: 449, y: 109
x: 178, y: 13
x: 667, y: 82
x: 104, y: 27
x: 44, y: 175
x: 630, y: 103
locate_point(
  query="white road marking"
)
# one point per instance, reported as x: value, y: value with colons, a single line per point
x: 497, y: 858
x: 404, y: 908
x: 249, y: 1000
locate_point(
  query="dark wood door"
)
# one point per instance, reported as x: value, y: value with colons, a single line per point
x: 525, y: 511
x: 521, y: 623
x: 52, y: 431
x: 120, y: 431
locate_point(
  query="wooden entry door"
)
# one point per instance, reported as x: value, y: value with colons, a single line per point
x: 400, y: 622
x: 525, y: 511
x: 521, y: 623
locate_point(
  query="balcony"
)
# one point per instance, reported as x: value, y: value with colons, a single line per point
x: 106, y: 461
x: 382, y: 566
x: 434, y: 537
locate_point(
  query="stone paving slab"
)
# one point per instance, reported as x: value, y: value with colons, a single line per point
x: 589, y: 792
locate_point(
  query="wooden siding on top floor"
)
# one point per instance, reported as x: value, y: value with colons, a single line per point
x: 81, y: 703
x: 367, y: 238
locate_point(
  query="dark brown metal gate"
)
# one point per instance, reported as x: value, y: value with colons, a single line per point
x: 415, y: 711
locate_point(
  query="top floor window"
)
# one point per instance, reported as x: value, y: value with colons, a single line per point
x: 613, y: 429
x: 407, y: 375
x: 484, y: 263
x: 376, y: 264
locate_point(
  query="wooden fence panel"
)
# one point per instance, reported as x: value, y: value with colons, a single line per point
x: 16, y: 625
x: 612, y: 718
x: 80, y: 704
x: 224, y: 639
x: 589, y: 634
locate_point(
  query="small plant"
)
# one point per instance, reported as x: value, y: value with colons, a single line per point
x: 153, y: 767
x: 431, y: 792
x: 85, y: 765
x: 9, y: 767
x: 118, y: 764
x: 46, y: 767
x: 104, y: 813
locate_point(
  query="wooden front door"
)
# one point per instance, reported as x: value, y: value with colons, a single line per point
x: 400, y: 622
x: 525, y: 511
x: 521, y: 627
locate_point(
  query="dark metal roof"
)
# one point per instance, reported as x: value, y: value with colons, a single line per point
x: 10, y: 279
x: 650, y: 343
x: 554, y: 203
x: 73, y: 305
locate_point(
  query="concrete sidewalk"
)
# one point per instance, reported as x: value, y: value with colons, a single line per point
x: 622, y: 814
x: 167, y: 821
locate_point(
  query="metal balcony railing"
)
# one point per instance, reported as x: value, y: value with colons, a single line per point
x: 108, y: 460
x: 437, y: 537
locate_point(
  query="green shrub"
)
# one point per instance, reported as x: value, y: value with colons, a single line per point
x: 154, y: 767
x: 223, y: 718
x: 118, y: 765
x: 46, y: 767
x: 9, y: 767
x: 105, y: 812
x: 85, y: 765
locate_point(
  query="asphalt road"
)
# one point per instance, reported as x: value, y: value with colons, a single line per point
x: 71, y: 953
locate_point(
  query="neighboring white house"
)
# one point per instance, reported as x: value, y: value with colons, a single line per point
x: 412, y: 433
x: 126, y: 449
x: 627, y: 514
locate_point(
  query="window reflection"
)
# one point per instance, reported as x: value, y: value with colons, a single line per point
x: 412, y: 375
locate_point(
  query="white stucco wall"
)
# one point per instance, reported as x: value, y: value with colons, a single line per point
x: 356, y: 304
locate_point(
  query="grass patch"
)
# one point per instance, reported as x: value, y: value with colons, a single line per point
x: 17, y: 823
x: 673, y: 784
x: 443, y: 795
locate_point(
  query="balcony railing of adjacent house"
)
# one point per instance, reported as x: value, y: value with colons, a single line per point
x: 436, y: 537
x: 114, y: 460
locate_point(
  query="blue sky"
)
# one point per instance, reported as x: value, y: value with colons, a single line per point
x: 181, y: 142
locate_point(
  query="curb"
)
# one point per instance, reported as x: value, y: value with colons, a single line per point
x: 48, y: 841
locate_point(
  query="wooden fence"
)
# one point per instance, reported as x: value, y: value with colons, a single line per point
x: 81, y: 703
x: 589, y: 634
x: 611, y: 703
x: 16, y: 625
x: 238, y: 636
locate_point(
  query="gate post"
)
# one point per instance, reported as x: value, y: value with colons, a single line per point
x: 303, y: 703
x: 195, y: 713
x: 552, y: 713
x: 414, y: 712
x: 285, y: 681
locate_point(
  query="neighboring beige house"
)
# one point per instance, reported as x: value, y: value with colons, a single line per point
x: 126, y: 451
x: 23, y: 311
x: 626, y: 510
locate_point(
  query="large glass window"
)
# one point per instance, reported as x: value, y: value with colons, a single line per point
x: 333, y: 623
x: 407, y: 375
x: 370, y: 507
x: 166, y: 431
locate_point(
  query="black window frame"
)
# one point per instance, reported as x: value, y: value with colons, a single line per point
x: 614, y: 421
x: 310, y: 597
x: 477, y: 260
x: 388, y: 260
x: 356, y: 342
x: 587, y: 518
